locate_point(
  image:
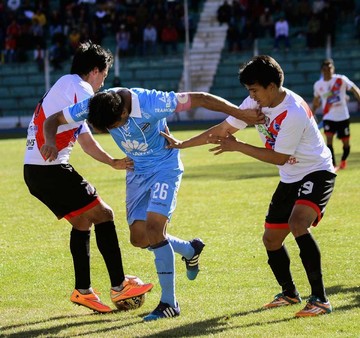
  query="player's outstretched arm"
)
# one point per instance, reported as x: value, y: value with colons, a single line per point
x: 217, y: 103
x: 49, y: 150
x: 221, y: 129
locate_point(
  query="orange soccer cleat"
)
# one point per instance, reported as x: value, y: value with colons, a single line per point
x: 132, y: 287
x: 282, y: 300
x: 315, y: 307
x: 91, y: 301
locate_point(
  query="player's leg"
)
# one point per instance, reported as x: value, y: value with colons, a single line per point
x: 329, y: 130
x: 314, y: 194
x: 68, y: 195
x: 344, y: 136
x: 276, y: 230
x: 190, y: 251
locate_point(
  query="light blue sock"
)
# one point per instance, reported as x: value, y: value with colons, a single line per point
x: 181, y: 247
x: 165, y: 267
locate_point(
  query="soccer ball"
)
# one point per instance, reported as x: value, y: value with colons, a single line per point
x: 132, y: 303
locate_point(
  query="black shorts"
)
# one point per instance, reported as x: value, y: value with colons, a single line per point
x: 60, y: 188
x: 340, y: 128
x: 313, y: 190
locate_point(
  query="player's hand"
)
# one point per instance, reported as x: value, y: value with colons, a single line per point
x: 49, y: 152
x: 253, y: 116
x: 123, y: 164
x: 172, y: 141
x: 227, y: 143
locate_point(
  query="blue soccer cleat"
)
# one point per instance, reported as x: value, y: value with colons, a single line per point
x: 192, y: 264
x: 163, y: 310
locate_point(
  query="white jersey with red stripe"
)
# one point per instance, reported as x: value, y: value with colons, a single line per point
x: 69, y: 89
x: 290, y: 128
x: 333, y: 97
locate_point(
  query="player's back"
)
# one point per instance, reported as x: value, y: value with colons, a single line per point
x: 68, y: 90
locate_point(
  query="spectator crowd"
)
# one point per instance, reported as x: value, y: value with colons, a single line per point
x: 29, y: 28
x: 140, y: 27
x: 282, y: 20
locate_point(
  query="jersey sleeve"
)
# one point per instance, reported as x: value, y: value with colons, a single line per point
x: 77, y: 112
x: 248, y: 103
x: 349, y: 84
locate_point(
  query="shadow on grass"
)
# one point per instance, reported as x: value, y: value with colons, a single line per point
x: 54, y: 329
x: 210, y: 326
x: 340, y: 289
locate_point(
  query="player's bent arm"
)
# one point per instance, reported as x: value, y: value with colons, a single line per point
x: 217, y: 103
x: 230, y: 143
x: 316, y: 103
x: 94, y: 149
x: 356, y: 91
x: 49, y: 150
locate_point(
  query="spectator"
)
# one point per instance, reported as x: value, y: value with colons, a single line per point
x: 56, y: 55
x: 282, y: 33
x: 233, y: 38
x: 10, y: 49
x: 39, y: 57
x: 136, y: 40
x: 122, y: 41
x: 266, y: 23
x: 169, y: 38
x: 74, y: 40
x: 37, y: 32
x: 150, y: 39
x: 224, y: 13
x: 313, y: 32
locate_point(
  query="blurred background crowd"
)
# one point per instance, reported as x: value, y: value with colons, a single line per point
x: 144, y: 27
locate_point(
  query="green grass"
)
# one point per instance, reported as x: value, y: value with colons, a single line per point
x: 223, y: 200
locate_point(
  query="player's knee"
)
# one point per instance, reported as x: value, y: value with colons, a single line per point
x: 138, y: 242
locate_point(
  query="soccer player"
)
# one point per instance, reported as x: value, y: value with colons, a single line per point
x: 295, y: 145
x: 135, y: 117
x: 65, y: 192
x: 330, y: 92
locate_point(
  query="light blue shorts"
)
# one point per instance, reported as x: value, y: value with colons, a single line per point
x: 155, y: 193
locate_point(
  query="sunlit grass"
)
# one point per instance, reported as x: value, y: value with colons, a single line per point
x: 223, y: 200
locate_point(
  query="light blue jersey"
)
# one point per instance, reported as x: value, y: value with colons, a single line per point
x: 140, y: 137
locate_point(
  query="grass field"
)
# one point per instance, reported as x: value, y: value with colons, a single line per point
x: 223, y: 200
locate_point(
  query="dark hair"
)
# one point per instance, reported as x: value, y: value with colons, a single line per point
x: 261, y: 69
x: 88, y: 56
x: 326, y: 62
x: 105, y: 109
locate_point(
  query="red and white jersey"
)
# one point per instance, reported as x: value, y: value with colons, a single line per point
x: 291, y: 129
x: 69, y: 89
x: 333, y: 97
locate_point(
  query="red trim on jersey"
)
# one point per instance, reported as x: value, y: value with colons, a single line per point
x: 62, y: 139
x: 334, y: 89
x: 313, y: 206
x: 276, y: 225
x: 274, y: 129
x: 309, y: 113
x: 84, y: 209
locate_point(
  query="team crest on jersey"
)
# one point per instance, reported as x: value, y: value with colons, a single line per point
x: 145, y: 127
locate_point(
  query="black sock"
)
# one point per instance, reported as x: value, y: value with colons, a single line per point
x: 311, y: 259
x: 279, y: 262
x: 80, y: 250
x: 108, y: 244
x: 346, y: 152
x: 332, y: 153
